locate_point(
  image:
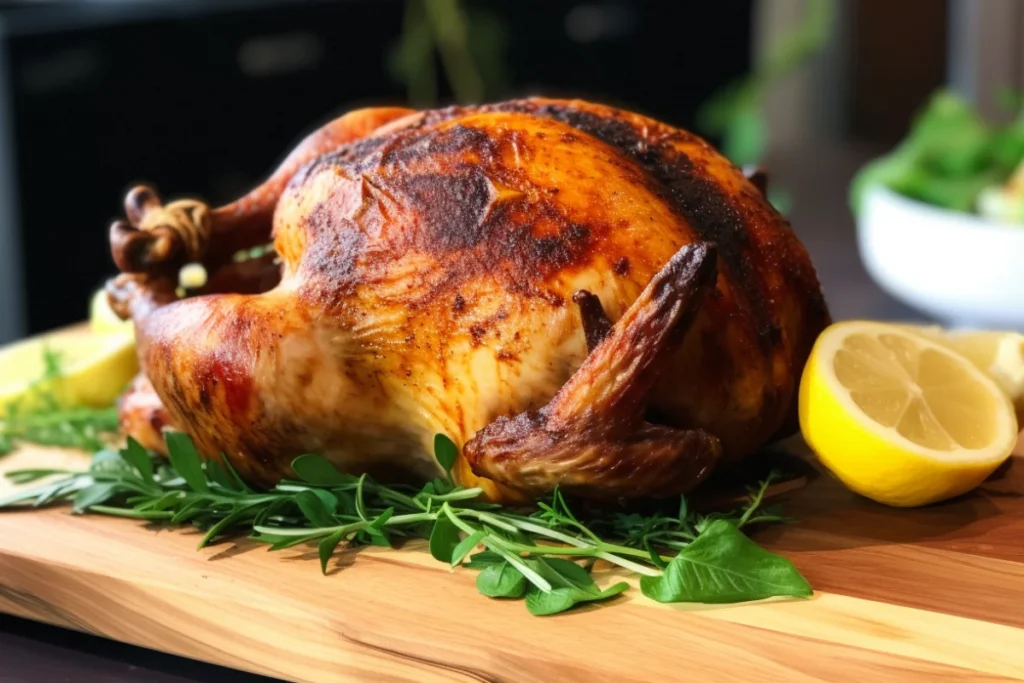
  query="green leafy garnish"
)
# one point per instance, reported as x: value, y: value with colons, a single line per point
x: 446, y: 452
x: 444, y: 538
x: 948, y: 157
x: 541, y: 604
x: 723, y: 565
x: 501, y: 580
x: 40, y: 416
x: 543, y: 557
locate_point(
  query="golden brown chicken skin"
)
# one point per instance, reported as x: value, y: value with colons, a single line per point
x: 577, y: 295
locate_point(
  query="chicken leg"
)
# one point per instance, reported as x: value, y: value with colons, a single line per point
x: 157, y: 239
x: 592, y: 439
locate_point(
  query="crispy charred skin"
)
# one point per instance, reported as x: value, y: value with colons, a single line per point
x: 428, y: 275
x: 591, y: 439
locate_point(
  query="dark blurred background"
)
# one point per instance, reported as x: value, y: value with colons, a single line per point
x: 204, y: 97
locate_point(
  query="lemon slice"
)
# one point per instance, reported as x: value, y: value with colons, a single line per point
x: 899, y: 418
x: 102, y: 318
x: 95, y: 368
x: 1000, y: 355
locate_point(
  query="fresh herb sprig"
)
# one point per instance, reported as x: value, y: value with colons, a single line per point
x: 40, y: 416
x: 544, y: 556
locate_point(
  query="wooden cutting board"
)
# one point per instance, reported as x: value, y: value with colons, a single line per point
x: 928, y: 594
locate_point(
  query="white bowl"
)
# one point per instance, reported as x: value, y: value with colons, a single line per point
x: 961, y: 269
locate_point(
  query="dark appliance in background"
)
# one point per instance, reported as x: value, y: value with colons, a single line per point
x: 204, y: 97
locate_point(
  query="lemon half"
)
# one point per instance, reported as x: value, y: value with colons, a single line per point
x: 94, y: 368
x: 1000, y: 355
x: 899, y: 418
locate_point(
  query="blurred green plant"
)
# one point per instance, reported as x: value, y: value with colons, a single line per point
x: 468, y: 42
x: 949, y: 156
x: 736, y: 113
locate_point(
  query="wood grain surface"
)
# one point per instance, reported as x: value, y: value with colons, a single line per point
x: 909, y: 595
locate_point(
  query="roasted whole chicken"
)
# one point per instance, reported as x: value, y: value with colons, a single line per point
x: 577, y: 295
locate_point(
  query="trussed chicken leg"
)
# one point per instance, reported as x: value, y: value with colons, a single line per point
x: 592, y: 439
x: 158, y: 239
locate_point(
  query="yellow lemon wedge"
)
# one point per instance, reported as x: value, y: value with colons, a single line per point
x: 1000, y: 355
x: 102, y: 318
x: 94, y: 368
x: 899, y: 418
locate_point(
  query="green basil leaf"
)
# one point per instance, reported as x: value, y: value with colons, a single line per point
x: 483, y: 559
x: 501, y: 581
x: 314, y: 509
x: 327, y: 547
x: 443, y: 539
x: 186, y: 461
x: 563, y: 574
x: 724, y: 566
x: 329, y: 500
x: 541, y: 604
x: 94, y: 495
x: 318, y: 471
x: 445, y: 452
x: 137, y: 456
x: 466, y: 545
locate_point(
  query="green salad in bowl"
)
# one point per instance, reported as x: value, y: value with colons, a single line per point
x: 954, y: 159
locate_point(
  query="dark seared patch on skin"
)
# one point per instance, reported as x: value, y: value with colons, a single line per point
x: 621, y: 267
x: 477, y: 332
x: 452, y: 207
x: 461, y: 200
x: 360, y: 150
x: 691, y: 191
x: 453, y: 141
x: 333, y: 254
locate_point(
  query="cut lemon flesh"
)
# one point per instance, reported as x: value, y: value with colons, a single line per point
x: 94, y: 368
x: 1000, y: 355
x: 899, y: 418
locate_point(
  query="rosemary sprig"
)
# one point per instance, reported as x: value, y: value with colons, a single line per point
x: 535, y: 555
x: 40, y: 417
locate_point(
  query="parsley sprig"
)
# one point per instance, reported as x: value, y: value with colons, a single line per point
x: 544, y: 556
